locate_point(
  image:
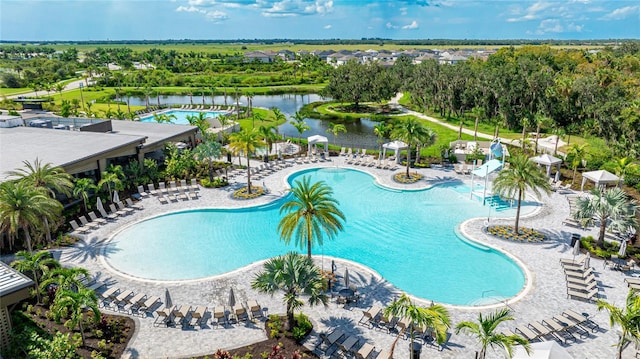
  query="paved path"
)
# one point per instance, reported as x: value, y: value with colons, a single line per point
x: 545, y: 296
x: 68, y: 87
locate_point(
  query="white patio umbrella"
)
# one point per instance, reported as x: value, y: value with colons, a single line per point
x: 576, y: 249
x: 557, y: 176
x: 623, y: 249
x: 99, y: 205
x: 542, y: 350
x: 232, y: 298
x: 116, y: 198
x: 587, y: 260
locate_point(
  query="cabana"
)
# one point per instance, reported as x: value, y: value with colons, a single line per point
x: 396, y: 146
x: 599, y: 178
x: 317, y: 139
x: 483, y: 172
x: 548, y: 161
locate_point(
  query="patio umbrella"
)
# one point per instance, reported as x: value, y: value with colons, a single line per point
x: 167, y: 299
x: 333, y: 266
x: 557, y: 176
x: 623, y: 249
x: 99, y: 205
x: 346, y: 277
x: 116, y: 198
x: 542, y: 350
x: 232, y: 298
x: 587, y: 260
x: 576, y: 249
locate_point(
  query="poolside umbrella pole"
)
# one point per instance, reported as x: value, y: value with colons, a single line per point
x: 99, y: 205
x: 232, y: 298
x: 116, y: 198
x: 167, y: 299
x: 623, y: 249
x: 346, y: 277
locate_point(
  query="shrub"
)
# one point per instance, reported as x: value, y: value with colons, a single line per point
x: 69, y: 324
x: 30, y: 309
x: 302, y: 328
x: 256, y: 191
x: 216, y: 183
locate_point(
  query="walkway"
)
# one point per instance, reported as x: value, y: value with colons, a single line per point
x: 545, y: 298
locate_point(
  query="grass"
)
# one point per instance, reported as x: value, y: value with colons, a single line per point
x: 14, y: 91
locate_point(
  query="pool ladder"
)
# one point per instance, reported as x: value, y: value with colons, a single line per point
x: 503, y: 301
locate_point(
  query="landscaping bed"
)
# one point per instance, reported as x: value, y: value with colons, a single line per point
x: 242, y: 194
x: 524, y: 234
x: 402, y: 177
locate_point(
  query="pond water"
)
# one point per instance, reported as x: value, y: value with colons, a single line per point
x: 359, y: 132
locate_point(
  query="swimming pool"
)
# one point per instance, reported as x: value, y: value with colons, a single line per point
x: 408, y: 237
x: 181, y: 116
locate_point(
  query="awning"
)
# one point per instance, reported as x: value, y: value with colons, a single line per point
x: 489, y: 167
x: 600, y: 178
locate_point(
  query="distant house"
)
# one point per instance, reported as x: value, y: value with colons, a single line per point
x: 260, y: 56
x: 286, y: 55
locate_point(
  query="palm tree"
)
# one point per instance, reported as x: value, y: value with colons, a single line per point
x: 24, y: 207
x: 269, y: 136
x: 311, y: 213
x: 111, y: 180
x: 522, y: 174
x: 578, y: 153
x: 628, y: 318
x: 65, y: 279
x: 278, y: 116
x: 295, y: 275
x: 477, y: 112
x: 485, y: 332
x: 199, y: 121
x: 335, y: 129
x: 381, y: 130
x: 76, y: 303
x: 53, y: 179
x: 541, y: 122
x: 525, y: 124
x: 609, y: 208
x: 164, y: 118
x: 82, y: 189
x: 206, y: 151
x: 625, y: 166
x: 435, y: 317
x: 246, y: 141
x: 299, y: 124
x: 412, y: 132
x: 37, y: 264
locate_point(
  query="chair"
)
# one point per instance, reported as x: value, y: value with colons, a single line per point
x: 348, y: 344
x: 569, y: 324
x: 332, y: 338
x: 136, y: 301
x: 180, y: 313
x: 163, y: 188
x: 133, y: 205
x: 104, y: 214
x: 173, y: 187
x: 588, y: 296
x: 194, y: 184
x: 95, y: 219
x: 182, y: 195
x: 559, y: 331
x: 365, y: 351
x: 255, y: 309
x: 79, y: 229
x: 193, y: 195
x: 527, y: 333
x: 240, y: 313
x: 183, y: 184
x: 142, y: 192
x: 582, y: 319
x: 146, y: 307
x: 124, y: 208
x: 370, y: 315
x: 540, y: 329
x: 219, y: 315
x: 162, y: 200
x: 163, y: 317
x: 85, y: 223
x: 197, y: 316
x: 580, y: 261
x: 113, y: 209
x: 579, y: 273
x: 152, y: 189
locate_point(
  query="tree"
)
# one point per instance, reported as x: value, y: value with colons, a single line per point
x: 278, y: 116
x: 299, y: 124
x: 412, y: 132
x: 164, y: 118
x: 76, y: 303
x: 295, y: 275
x: 38, y: 264
x: 355, y: 83
x: 207, y: 150
x: 246, y: 142
x: 335, y: 129
x: 513, y: 181
x: 310, y: 214
x: 477, y: 112
x: 381, y: 130
x: 541, y: 122
x: 435, y: 317
x: 65, y: 279
x: 609, y: 207
x: 199, y: 121
x: 24, y: 207
x: 525, y: 124
x: 82, y: 189
x: 628, y: 318
x: 269, y: 136
x: 111, y: 180
x: 485, y: 332
x: 46, y: 176
x: 623, y: 167
x: 578, y: 153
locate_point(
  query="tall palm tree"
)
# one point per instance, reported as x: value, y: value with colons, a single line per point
x: 269, y: 136
x: 299, y: 124
x: 53, y: 179
x: 295, y: 275
x: 525, y: 124
x: 111, y: 180
x: 65, y: 279
x: 311, y: 213
x: 206, y: 151
x: 578, y: 153
x: 485, y: 332
x: 477, y: 112
x: 76, y: 303
x: 628, y: 318
x: 335, y: 129
x: 24, y: 207
x: 246, y: 141
x: 513, y: 181
x: 82, y: 189
x: 435, y: 317
x: 164, y: 118
x: 381, y: 130
x: 609, y: 207
x: 278, y: 116
x: 38, y: 264
x: 412, y: 132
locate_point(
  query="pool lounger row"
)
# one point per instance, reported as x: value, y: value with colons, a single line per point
x: 126, y: 301
x: 189, y: 316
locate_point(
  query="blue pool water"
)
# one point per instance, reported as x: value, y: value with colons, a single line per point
x: 409, y: 237
x: 181, y: 116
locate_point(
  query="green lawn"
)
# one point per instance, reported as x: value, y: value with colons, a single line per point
x: 11, y: 91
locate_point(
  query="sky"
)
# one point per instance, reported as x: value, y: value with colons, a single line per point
x: 82, y: 20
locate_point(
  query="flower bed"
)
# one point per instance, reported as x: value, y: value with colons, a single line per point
x: 524, y: 234
x: 256, y: 191
x: 402, y: 177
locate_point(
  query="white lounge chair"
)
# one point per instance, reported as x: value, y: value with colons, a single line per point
x: 76, y: 228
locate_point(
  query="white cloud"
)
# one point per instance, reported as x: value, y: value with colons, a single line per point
x: 268, y: 8
x: 217, y: 15
x: 575, y: 28
x: 533, y: 12
x: 327, y: 27
x: 403, y: 11
x: 549, y: 25
x: 622, y: 13
x: 391, y: 26
x: 413, y: 25
x: 189, y: 9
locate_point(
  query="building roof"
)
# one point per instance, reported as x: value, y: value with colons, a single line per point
x: 154, y: 132
x: 58, y: 147
x: 12, y: 280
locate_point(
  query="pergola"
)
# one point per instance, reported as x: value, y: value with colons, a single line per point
x: 599, y: 178
x: 548, y: 161
x: 316, y: 139
x: 396, y: 146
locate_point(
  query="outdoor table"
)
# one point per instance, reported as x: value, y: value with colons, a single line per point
x: 346, y: 293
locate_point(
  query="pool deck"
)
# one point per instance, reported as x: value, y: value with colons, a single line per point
x: 545, y: 295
